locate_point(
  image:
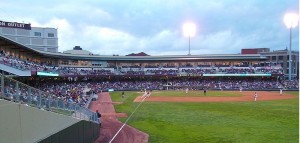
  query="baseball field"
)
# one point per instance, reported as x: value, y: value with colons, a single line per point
x: 208, y: 118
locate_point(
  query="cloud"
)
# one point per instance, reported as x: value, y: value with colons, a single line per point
x: 104, y: 40
x: 66, y: 32
x: 154, y: 27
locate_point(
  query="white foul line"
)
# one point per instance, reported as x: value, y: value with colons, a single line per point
x: 127, y: 120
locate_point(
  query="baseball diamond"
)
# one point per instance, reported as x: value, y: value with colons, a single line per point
x: 125, y: 72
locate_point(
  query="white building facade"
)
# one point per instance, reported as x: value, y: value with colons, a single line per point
x: 43, y: 39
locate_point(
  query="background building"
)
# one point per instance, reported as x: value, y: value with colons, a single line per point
x: 278, y: 57
x: 43, y: 39
x: 77, y: 50
x: 254, y: 50
x: 282, y: 57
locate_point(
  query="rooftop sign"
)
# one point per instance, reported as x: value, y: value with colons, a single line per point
x: 15, y: 25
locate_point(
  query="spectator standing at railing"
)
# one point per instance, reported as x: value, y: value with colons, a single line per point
x: 99, y: 116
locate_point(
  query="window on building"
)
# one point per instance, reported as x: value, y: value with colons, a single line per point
x: 273, y: 58
x: 39, y: 34
x: 50, y: 34
x: 280, y: 57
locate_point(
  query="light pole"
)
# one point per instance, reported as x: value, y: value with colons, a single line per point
x: 291, y: 21
x: 189, y: 30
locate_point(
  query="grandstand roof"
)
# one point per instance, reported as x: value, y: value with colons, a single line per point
x: 23, y: 48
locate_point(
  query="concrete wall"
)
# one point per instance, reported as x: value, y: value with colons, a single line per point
x: 24, y: 124
x: 81, y: 132
x: 28, y: 38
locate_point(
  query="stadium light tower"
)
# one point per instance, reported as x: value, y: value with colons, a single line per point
x: 291, y: 21
x: 189, y: 30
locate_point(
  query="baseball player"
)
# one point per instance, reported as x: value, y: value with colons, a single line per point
x: 255, y: 96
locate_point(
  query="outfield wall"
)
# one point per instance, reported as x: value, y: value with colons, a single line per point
x: 81, y: 132
x: 24, y: 124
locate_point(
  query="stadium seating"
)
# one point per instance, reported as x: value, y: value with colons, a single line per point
x: 167, y: 69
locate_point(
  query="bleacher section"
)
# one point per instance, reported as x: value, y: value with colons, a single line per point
x: 14, y: 71
x: 24, y: 68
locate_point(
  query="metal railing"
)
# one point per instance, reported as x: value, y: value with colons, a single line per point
x: 18, y: 92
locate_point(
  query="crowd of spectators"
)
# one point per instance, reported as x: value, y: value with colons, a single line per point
x: 199, y: 71
x: 134, y: 73
x: 203, y: 66
x: 167, y: 69
x: 152, y: 66
x: 162, y: 72
x: 89, y: 71
x: 74, y: 91
x: 233, y: 84
x: 12, y: 61
x: 71, y: 93
x: 290, y: 84
x: 79, y: 92
x: 234, y: 70
x: 237, y: 71
x: 129, y: 85
x: 271, y: 71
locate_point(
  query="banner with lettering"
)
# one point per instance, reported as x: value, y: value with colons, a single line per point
x: 15, y: 25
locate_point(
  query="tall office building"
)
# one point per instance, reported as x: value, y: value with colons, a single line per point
x: 39, y: 38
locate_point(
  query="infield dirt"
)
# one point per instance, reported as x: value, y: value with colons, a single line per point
x: 111, y: 125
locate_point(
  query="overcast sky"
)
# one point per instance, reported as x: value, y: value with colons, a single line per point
x: 122, y: 27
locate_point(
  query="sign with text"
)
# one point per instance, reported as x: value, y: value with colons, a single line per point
x: 15, y: 25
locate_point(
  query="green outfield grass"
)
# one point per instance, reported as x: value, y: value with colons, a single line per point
x: 251, y: 122
x: 292, y: 92
x: 192, y: 93
x: 288, y: 92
